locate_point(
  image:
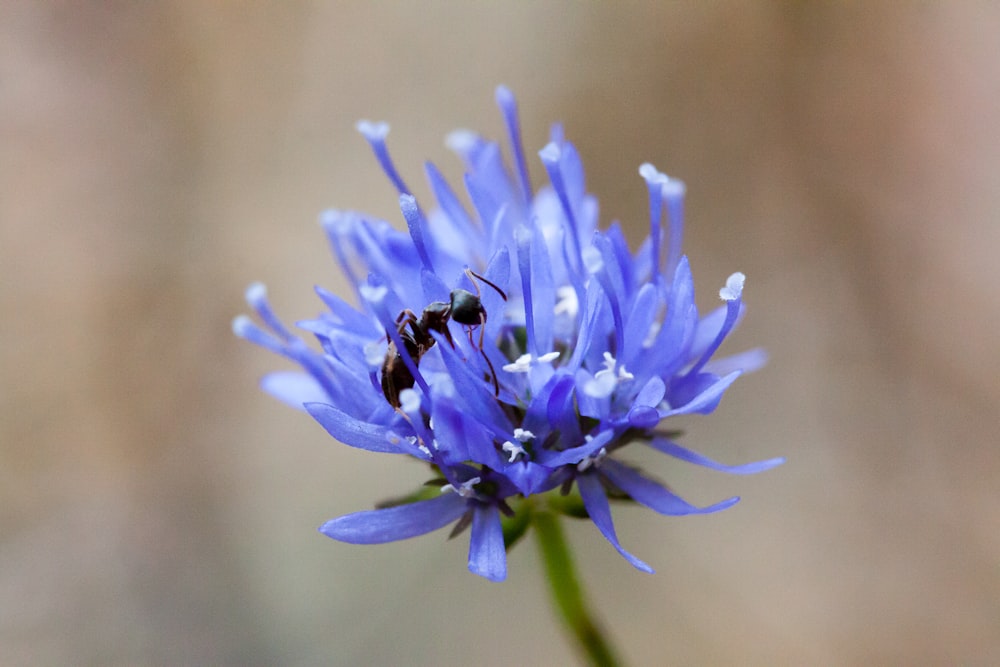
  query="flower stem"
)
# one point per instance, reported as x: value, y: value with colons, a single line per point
x: 567, y: 595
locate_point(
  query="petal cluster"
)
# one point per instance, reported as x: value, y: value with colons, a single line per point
x: 510, y: 344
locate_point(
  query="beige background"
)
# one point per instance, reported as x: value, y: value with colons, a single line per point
x: 156, y: 508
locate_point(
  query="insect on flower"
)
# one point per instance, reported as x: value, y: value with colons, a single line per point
x: 598, y: 345
x: 464, y: 307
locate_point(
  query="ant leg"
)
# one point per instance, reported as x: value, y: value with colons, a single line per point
x: 493, y: 372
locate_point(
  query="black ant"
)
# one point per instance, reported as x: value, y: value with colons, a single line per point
x: 464, y: 307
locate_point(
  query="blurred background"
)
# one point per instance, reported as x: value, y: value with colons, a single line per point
x: 155, y: 158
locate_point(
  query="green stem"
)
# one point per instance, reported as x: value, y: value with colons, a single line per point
x: 567, y: 595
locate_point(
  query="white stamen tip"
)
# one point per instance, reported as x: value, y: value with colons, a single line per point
x: 241, y: 325
x: 734, y: 287
x: 256, y: 293
x: 374, y: 354
x: 550, y: 154
x: 602, y: 385
x: 652, y: 174
x: 373, y: 294
x: 409, y: 401
x: 523, y: 436
x: 514, y: 450
x: 371, y: 130
x: 592, y: 259
x: 568, y: 303
x: 673, y: 188
x: 464, y: 489
x: 461, y: 141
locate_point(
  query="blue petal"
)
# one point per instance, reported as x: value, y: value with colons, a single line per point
x: 461, y: 438
x: 654, y: 496
x: 527, y: 477
x: 472, y: 392
x: 706, y: 399
x: 294, y: 388
x: 353, y: 432
x: 748, y: 361
x: 675, y: 450
x: 487, y: 556
x: 639, y: 321
x: 576, y: 454
x: 396, y: 523
x: 600, y: 513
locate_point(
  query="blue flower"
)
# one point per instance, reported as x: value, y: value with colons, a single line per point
x: 513, y: 347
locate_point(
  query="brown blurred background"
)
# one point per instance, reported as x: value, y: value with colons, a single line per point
x: 156, y: 508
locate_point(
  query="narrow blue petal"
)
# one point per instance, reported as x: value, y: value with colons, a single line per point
x: 543, y: 288
x: 294, y: 388
x: 552, y: 156
x: 375, y: 134
x: 508, y: 106
x: 522, y: 236
x: 256, y: 297
x: 417, y: 224
x: 471, y: 391
x: 639, y: 322
x: 600, y: 513
x: 528, y: 477
x: 748, y: 361
x: 353, y: 432
x: 706, y: 400
x: 396, y: 523
x: 654, y: 184
x: 498, y: 273
x: 577, y: 454
x: 651, y: 393
x: 675, y: 450
x: 592, y: 307
x: 654, y: 496
x: 248, y: 330
x: 460, y: 438
x: 447, y: 199
x: 347, y: 315
x: 487, y: 556
x: 673, y: 194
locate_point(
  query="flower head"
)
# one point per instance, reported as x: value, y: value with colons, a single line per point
x: 514, y: 347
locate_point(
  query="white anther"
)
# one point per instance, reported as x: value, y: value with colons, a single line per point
x: 526, y: 361
x: 373, y: 294
x: 371, y: 129
x: 567, y: 303
x: 514, y: 449
x: 654, y: 330
x: 461, y: 141
x: 734, y: 287
x: 409, y: 401
x: 374, y: 354
x: 464, y: 489
x: 523, y: 436
x: 592, y: 260
x: 592, y: 460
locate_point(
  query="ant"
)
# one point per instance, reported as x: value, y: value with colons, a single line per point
x: 464, y: 307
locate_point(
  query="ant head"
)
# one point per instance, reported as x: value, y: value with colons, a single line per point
x: 466, y: 308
